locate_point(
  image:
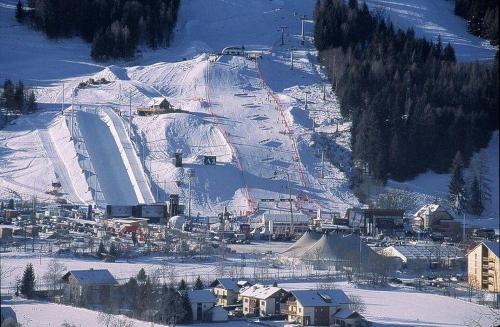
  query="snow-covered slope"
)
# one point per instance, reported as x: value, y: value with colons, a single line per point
x: 435, y: 18
x: 250, y: 115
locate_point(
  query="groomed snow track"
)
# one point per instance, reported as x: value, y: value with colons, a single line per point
x: 113, y: 161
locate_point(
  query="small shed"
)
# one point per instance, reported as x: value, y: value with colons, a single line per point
x: 89, y: 287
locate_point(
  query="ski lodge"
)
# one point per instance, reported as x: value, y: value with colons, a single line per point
x: 156, y: 106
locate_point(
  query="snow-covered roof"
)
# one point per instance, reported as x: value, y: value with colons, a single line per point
x: 156, y: 101
x: 201, y: 296
x: 320, y: 298
x: 92, y: 277
x: 493, y: 246
x: 427, y: 251
x: 227, y: 284
x: 176, y: 222
x: 261, y: 292
x: 428, y: 209
x: 285, y: 217
x: 345, y: 314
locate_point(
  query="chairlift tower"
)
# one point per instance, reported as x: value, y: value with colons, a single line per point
x: 190, y: 174
x: 302, y: 36
x: 283, y: 28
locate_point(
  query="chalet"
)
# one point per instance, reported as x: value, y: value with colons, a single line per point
x: 436, y: 218
x: 315, y: 307
x: 226, y: 290
x: 483, y: 266
x: 234, y: 51
x: 201, y: 302
x: 259, y: 300
x: 157, y: 105
x: 92, y: 287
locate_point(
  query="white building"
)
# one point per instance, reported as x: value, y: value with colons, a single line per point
x: 259, y: 300
x: 201, y: 302
x: 422, y: 255
x: 315, y: 307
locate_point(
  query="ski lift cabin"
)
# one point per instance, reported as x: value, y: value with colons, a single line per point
x: 234, y: 51
x: 157, y: 105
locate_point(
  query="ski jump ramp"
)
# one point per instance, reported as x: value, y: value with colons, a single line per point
x: 118, y: 169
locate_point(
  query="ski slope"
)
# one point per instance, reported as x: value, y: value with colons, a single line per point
x: 129, y: 157
x: 106, y: 159
x: 251, y: 115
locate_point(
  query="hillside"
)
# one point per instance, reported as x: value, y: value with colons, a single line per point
x: 250, y: 116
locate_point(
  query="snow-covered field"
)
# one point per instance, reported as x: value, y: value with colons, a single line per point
x: 387, y: 307
x: 42, y: 314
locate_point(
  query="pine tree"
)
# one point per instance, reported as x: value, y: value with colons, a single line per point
x: 476, y: 206
x: 20, y: 13
x: 182, y: 285
x: 186, y: 305
x: 19, y: 97
x: 456, y: 188
x: 101, y: 250
x: 449, y: 53
x: 198, y: 284
x: 141, y: 276
x: 113, y: 251
x: 10, y: 205
x: 31, y: 105
x: 28, y: 282
x: 8, y: 94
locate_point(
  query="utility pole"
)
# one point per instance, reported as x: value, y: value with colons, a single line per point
x: 291, y: 58
x: 283, y: 28
x: 322, y: 176
x: 306, y: 101
x: 190, y: 173
x: 62, y: 105
x: 33, y: 219
x: 72, y: 113
x: 324, y: 92
x: 291, y: 207
x: 130, y: 115
x: 165, y: 190
x: 302, y: 36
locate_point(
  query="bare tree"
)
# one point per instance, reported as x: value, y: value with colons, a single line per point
x: 395, y: 199
x: 53, y: 275
x: 108, y: 320
x: 357, y: 304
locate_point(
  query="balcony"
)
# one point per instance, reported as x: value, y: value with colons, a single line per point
x: 288, y: 312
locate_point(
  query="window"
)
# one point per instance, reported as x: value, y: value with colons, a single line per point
x: 300, y: 310
x: 263, y: 303
x: 246, y: 300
